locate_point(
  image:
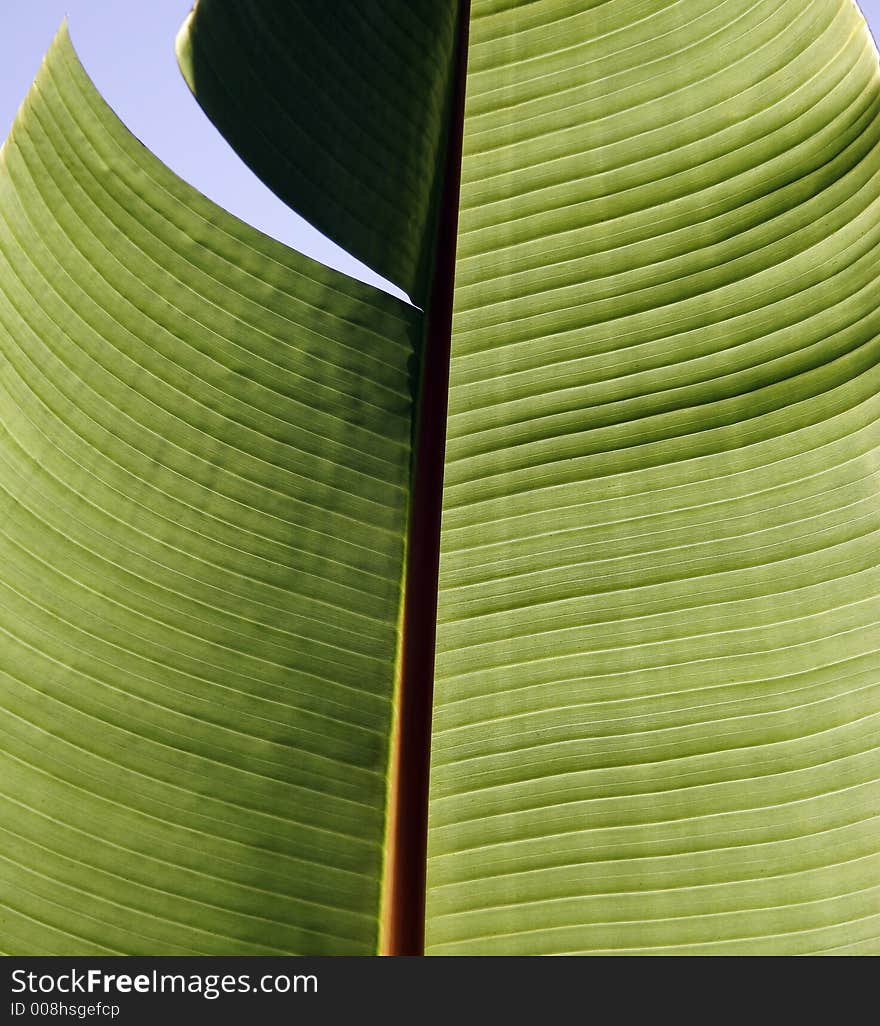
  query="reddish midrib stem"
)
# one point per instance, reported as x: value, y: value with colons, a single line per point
x: 405, y: 912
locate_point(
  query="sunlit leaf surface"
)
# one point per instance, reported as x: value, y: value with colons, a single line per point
x: 657, y: 702
x: 204, y: 465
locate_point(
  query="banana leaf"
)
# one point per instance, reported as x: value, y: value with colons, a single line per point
x: 341, y: 109
x: 656, y: 713
x: 205, y: 462
x: 656, y: 707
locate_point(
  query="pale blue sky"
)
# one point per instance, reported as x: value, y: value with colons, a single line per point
x: 127, y: 48
x: 131, y: 58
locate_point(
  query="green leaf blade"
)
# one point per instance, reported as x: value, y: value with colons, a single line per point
x: 656, y: 699
x: 205, y: 466
x: 341, y: 111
